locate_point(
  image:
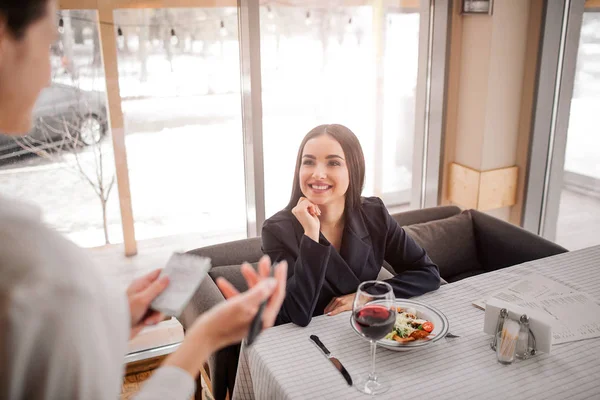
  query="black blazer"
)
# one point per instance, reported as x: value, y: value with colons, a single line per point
x: 317, y: 272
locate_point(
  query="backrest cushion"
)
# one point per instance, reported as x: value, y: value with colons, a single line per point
x: 231, y: 253
x: 449, y: 242
x: 425, y: 215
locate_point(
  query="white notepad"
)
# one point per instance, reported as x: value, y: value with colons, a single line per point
x: 185, y: 272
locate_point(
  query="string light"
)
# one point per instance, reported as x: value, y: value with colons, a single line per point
x: 61, y: 25
x: 174, y: 39
x: 308, y: 21
x: 223, y: 30
x: 269, y: 12
x: 349, y: 27
x: 120, y: 38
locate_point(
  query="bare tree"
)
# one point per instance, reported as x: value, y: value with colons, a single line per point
x: 74, y: 139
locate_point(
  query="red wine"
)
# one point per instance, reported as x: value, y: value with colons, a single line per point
x: 375, y: 321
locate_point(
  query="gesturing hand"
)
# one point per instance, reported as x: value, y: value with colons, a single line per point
x: 230, y: 320
x: 308, y: 214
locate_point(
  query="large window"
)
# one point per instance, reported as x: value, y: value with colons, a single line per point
x: 149, y: 127
x: 578, y: 224
x: 563, y: 194
x: 180, y: 88
x: 355, y: 66
x: 65, y: 165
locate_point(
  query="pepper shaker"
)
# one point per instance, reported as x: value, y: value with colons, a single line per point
x: 499, y: 326
x: 523, y: 348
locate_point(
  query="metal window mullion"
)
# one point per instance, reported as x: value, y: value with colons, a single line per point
x: 556, y: 74
x: 553, y: 183
x: 432, y: 103
x: 421, y: 106
x: 250, y: 82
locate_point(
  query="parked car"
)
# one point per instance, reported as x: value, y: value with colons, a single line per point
x: 64, y: 117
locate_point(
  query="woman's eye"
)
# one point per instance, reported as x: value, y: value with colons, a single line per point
x: 334, y: 163
x: 307, y: 162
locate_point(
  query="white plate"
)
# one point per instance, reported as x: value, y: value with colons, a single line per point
x: 441, y: 326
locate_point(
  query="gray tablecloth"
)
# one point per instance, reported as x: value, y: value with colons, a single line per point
x: 285, y: 364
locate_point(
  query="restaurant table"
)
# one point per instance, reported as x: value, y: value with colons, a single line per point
x: 284, y: 364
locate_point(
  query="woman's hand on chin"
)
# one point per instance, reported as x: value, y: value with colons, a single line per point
x: 308, y: 214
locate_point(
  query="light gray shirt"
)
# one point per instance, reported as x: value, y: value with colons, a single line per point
x: 63, y: 326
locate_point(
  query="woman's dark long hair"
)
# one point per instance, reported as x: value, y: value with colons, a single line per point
x: 355, y: 160
x: 19, y: 14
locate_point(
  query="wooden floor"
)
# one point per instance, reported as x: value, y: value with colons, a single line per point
x: 138, y: 372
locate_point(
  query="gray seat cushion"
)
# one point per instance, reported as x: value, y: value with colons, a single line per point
x: 450, y: 243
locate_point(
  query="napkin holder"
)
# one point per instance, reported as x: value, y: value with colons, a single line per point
x: 540, y: 323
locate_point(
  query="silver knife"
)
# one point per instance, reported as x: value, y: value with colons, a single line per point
x: 336, y: 363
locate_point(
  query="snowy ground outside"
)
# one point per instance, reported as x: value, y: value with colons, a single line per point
x: 185, y: 168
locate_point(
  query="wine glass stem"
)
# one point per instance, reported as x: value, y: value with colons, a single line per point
x: 372, y: 375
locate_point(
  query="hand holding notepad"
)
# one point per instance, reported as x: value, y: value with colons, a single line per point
x: 185, y: 272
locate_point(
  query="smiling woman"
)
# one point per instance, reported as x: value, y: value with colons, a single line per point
x: 50, y: 288
x: 344, y: 163
x: 334, y: 238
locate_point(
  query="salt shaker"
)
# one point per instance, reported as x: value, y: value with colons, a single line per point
x: 522, y: 351
x: 499, y: 326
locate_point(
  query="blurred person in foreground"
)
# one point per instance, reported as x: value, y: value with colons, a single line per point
x: 64, y: 328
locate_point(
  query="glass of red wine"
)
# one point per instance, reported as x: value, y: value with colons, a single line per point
x: 373, y: 315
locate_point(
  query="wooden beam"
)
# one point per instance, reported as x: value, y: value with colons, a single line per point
x: 592, y: 4
x: 463, y: 186
x: 108, y: 43
x: 498, y: 188
x: 482, y: 190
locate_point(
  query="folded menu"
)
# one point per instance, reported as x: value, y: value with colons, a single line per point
x: 574, y: 315
x: 531, y: 286
x: 185, y: 272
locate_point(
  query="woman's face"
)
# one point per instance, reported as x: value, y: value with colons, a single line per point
x: 323, y: 174
x: 24, y: 71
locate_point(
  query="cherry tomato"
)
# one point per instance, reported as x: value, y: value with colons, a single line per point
x: 428, y: 326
